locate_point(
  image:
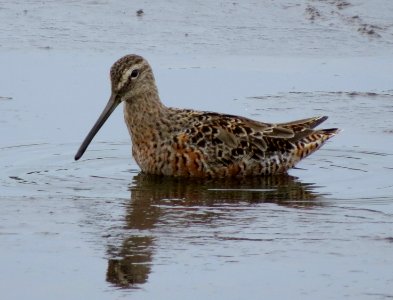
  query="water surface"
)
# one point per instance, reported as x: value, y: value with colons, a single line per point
x: 99, y: 229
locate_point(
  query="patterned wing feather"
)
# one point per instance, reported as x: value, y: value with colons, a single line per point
x: 228, y: 139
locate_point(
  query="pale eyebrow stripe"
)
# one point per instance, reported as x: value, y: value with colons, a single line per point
x: 126, y: 75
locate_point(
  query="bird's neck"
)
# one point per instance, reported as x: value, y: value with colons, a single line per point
x: 145, y: 116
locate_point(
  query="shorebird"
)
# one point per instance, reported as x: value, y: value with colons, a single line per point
x: 190, y: 143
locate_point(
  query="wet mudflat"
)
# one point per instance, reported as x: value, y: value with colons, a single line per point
x: 99, y: 229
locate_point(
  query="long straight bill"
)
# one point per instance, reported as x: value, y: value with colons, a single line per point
x: 109, y: 108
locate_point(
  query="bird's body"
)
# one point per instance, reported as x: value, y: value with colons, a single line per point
x: 184, y: 142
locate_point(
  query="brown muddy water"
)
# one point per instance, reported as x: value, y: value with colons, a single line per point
x: 99, y: 229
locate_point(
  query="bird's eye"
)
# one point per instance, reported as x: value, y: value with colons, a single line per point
x: 134, y: 73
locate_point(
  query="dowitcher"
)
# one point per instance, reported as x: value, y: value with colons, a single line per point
x: 185, y: 142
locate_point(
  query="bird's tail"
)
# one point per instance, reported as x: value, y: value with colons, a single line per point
x: 313, y: 141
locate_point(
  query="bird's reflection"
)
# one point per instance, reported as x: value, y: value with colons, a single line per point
x: 151, y: 196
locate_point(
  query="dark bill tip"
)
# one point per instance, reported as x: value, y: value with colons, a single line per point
x: 109, y: 108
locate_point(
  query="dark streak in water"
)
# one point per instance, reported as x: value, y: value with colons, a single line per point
x: 380, y: 295
x: 106, y: 177
x: 388, y: 239
x: 23, y: 145
x: 229, y: 238
x: 16, y: 178
x: 5, y: 98
x: 349, y: 168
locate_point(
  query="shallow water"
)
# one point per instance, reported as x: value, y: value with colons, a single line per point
x: 99, y: 229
